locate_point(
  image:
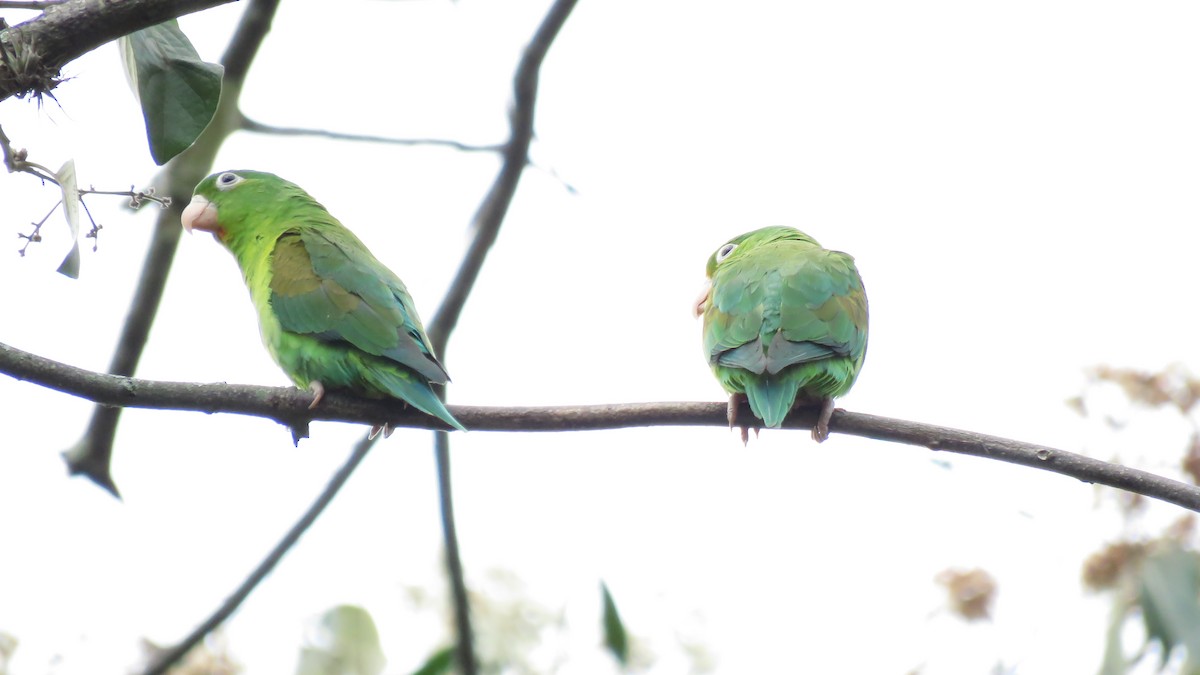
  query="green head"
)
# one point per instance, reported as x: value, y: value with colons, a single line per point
x: 742, y: 245
x: 734, y: 249
x: 230, y: 204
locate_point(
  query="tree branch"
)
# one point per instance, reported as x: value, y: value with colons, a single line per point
x: 255, y: 126
x: 464, y: 645
x: 516, y: 154
x: 35, y: 51
x: 488, y: 219
x: 29, y: 4
x: 169, y: 657
x: 92, y: 455
x: 258, y: 127
x: 289, y: 406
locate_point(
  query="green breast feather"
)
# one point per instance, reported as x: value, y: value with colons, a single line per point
x: 785, y: 321
x: 332, y: 316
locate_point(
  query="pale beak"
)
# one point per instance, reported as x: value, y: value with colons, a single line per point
x: 702, y: 300
x: 200, y: 214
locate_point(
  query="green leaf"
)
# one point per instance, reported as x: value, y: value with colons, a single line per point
x: 70, y: 202
x: 179, y: 93
x: 1170, y: 600
x: 439, y: 663
x: 615, y: 637
x: 1114, y: 662
x: 345, y: 642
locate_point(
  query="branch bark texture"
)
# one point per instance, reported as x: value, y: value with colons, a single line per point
x: 290, y: 407
x: 38, y: 49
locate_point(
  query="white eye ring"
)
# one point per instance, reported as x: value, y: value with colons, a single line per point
x: 725, y: 251
x: 228, y: 180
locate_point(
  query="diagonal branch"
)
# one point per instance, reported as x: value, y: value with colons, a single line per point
x: 92, y: 455
x: 290, y: 406
x: 171, y: 656
x: 516, y: 153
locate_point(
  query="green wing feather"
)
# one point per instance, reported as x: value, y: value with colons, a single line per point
x: 337, y: 293
x: 328, y: 309
x: 785, y: 320
x: 330, y: 290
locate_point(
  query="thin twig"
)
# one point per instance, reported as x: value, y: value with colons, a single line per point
x: 492, y: 210
x: 93, y: 233
x: 290, y: 407
x: 17, y: 162
x: 136, y: 197
x: 258, y: 127
x: 464, y: 644
x: 42, y: 172
x: 169, y: 657
x: 488, y: 219
x: 36, y: 234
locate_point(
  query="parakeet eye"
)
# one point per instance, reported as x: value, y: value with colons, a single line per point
x: 228, y: 180
x: 725, y: 251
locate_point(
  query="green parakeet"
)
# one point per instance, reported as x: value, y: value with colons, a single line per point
x: 331, y: 315
x: 785, y: 323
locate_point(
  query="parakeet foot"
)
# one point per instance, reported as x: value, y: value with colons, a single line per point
x: 386, y: 428
x: 746, y: 433
x: 318, y: 391
x: 731, y: 413
x: 820, y: 430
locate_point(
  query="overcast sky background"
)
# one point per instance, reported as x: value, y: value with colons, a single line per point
x: 1017, y: 182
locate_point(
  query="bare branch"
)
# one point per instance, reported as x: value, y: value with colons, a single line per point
x: 171, y: 656
x: 464, y: 643
x: 252, y: 29
x: 136, y: 197
x: 516, y: 154
x: 488, y: 219
x: 35, y: 51
x: 258, y: 127
x: 39, y: 5
x: 17, y: 161
x: 290, y: 407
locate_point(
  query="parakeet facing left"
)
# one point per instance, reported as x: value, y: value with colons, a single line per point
x: 785, y: 322
x: 331, y: 315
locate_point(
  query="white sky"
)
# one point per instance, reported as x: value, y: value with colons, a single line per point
x: 1017, y: 183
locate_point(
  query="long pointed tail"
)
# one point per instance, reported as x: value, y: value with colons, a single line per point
x: 771, y: 398
x: 415, y: 390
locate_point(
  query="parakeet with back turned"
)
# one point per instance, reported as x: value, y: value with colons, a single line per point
x: 785, y: 323
x: 331, y: 315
